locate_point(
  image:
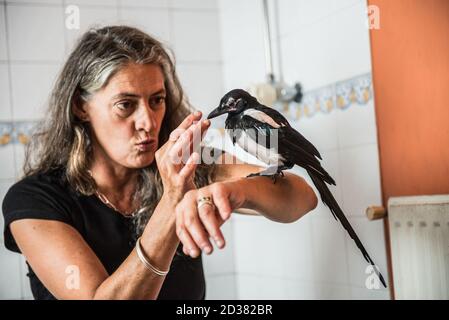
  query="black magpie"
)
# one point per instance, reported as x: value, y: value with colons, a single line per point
x: 253, y: 126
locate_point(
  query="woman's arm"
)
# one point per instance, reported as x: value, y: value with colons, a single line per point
x: 286, y: 201
x: 69, y: 268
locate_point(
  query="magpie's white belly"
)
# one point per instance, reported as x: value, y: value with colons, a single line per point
x: 269, y: 156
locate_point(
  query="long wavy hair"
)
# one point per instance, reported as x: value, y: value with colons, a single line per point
x: 62, y: 141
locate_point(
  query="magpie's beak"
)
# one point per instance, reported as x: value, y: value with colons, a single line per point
x: 217, y: 112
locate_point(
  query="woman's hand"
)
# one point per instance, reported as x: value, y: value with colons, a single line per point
x: 195, y: 225
x: 176, y: 171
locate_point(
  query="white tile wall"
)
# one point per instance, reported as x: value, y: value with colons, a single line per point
x: 5, y: 98
x: 221, y: 287
x: 300, y: 13
x: 366, y: 294
x: 332, y: 292
x: 358, y: 119
x: 254, y: 287
x: 111, y: 3
x: 90, y: 17
x: 193, y: 4
x: 19, y: 157
x: 195, y: 35
x: 193, y: 76
x: 10, y: 277
x: 262, y: 247
x: 319, y: 35
x: 360, y: 178
x: 154, y: 21
x: 7, y: 165
x: 321, y: 130
x: 34, y: 2
x: 145, y: 3
x: 40, y: 38
x: 241, y: 73
x: 10, y: 263
x: 31, y: 87
x: 4, y: 186
x: 3, y: 52
x: 243, y: 55
x: 241, y: 30
x: 350, y: 35
x: 221, y: 261
x: 298, y: 290
x: 307, y: 55
x: 25, y: 281
x: 329, y: 251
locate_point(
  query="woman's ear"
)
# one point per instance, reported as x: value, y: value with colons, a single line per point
x: 79, y: 109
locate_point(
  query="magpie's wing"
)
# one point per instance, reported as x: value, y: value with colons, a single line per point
x: 291, y: 145
x: 294, y: 151
x: 281, y: 121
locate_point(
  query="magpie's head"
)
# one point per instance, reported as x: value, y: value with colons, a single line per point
x: 233, y: 102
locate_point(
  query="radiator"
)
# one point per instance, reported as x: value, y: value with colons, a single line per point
x: 419, y: 235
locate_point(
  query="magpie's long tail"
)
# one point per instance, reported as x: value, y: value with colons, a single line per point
x: 329, y: 200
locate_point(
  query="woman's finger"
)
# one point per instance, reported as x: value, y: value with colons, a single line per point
x: 184, y: 125
x: 189, y: 169
x: 181, y: 148
x: 198, y: 135
x: 195, y: 228
x: 188, y: 245
x: 221, y: 201
x: 209, y: 219
x: 189, y: 141
x: 187, y: 122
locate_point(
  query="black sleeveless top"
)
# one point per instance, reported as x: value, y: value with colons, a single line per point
x: 107, y: 232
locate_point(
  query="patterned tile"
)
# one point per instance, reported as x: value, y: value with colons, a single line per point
x: 339, y: 95
x: 15, y: 132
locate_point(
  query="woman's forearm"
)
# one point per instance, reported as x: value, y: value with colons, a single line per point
x: 132, y: 280
x: 285, y: 201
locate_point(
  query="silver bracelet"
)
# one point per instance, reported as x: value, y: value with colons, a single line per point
x: 145, y: 261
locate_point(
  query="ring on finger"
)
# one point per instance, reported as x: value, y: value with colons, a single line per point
x: 205, y: 200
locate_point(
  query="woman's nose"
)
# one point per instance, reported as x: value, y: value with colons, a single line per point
x: 145, y: 119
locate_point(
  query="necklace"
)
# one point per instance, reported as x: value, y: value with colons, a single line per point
x: 106, y: 201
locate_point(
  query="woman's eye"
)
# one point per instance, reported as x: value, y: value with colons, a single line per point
x: 124, y: 105
x: 157, y: 101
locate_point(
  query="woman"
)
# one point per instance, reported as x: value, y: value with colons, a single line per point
x: 101, y: 173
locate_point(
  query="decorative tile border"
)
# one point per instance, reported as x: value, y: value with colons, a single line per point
x: 340, y: 95
x: 16, y: 132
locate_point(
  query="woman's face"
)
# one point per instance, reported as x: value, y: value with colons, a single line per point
x: 127, y: 111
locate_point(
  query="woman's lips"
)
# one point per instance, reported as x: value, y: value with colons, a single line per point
x: 146, y: 146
